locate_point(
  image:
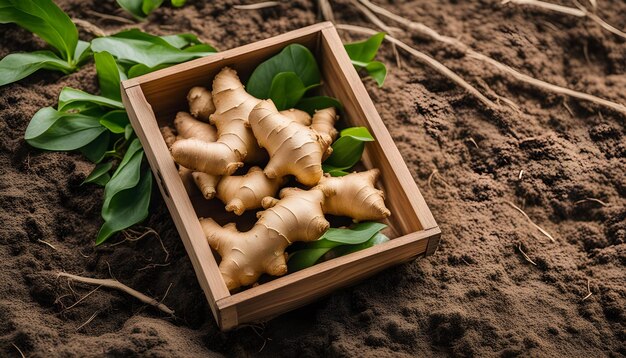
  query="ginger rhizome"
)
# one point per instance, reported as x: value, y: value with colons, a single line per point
x: 241, y: 193
x: 294, y: 148
x: 354, y: 195
x: 189, y: 127
x: 200, y: 103
x: 297, y: 216
x: 235, y: 141
x: 243, y: 129
x: 245, y: 256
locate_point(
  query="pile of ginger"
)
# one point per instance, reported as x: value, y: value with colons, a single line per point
x: 227, y: 128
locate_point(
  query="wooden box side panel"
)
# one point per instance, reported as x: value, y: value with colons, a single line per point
x: 175, y: 196
x: 302, y: 287
x: 409, y: 210
x: 166, y: 90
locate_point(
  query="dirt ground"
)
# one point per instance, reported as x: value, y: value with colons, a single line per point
x: 477, y: 296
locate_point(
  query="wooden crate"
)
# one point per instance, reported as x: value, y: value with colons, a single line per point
x: 152, y: 100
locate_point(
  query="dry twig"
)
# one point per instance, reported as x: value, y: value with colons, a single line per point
x: 519, y: 247
x: 326, y: 11
x: 114, y: 284
x: 427, y: 31
x: 259, y: 5
x: 82, y: 298
x: 580, y: 11
x: 438, y: 66
x: 432, y: 175
x: 591, y: 199
x: 47, y: 243
x: 134, y: 235
x: 110, y: 17
x: 89, y: 27
x: 88, y: 321
x: 19, y: 350
x: 530, y: 221
x: 470, y: 139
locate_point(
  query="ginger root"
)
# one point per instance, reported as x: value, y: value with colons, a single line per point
x: 241, y: 193
x: 245, y: 256
x: 294, y: 148
x: 235, y: 140
x: 200, y: 103
x: 354, y: 195
x: 297, y: 216
x: 297, y: 115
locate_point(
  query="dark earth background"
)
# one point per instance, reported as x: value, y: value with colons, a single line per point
x: 477, y: 296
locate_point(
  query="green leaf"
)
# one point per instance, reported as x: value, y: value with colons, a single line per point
x: 178, y: 3
x: 140, y: 69
x: 377, y: 71
x: 82, y: 52
x: 377, y: 239
x: 53, y: 130
x: 128, y: 131
x: 96, y: 149
x: 115, y: 121
x: 365, y: 51
x: 359, y: 234
x: 46, y: 20
x: 127, y: 173
x: 16, y: 66
x: 71, y: 97
x: 347, y: 150
x: 134, y: 7
x: 293, y: 58
x: 180, y: 41
x: 109, y: 75
x: 302, y: 259
x: 100, y: 174
x: 286, y: 90
x: 136, y: 47
x: 150, y: 5
x: 126, y: 208
x: 311, y: 104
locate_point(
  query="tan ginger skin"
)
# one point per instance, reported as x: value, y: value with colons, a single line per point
x: 200, y: 103
x: 235, y: 140
x: 297, y: 115
x: 297, y: 216
x: 294, y: 148
x: 241, y: 193
x: 354, y: 195
x: 245, y: 256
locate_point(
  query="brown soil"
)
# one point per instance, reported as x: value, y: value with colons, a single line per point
x: 476, y: 296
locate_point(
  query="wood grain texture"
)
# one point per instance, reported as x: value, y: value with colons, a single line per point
x: 410, y: 210
x: 175, y: 196
x: 152, y: 100
x: 302, y: 287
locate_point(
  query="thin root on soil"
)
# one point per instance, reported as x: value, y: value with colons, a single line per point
x: 47, y: 243
x: 580, y: 11
x: 257, y: 6
x: 114, y: 284
x: 427, y: 31
x: 422, y: 57
x: 19, y: 350
x: 88, y: 321
x: 591, y: 199
x: 519, y: 247
x: 530, y: 221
